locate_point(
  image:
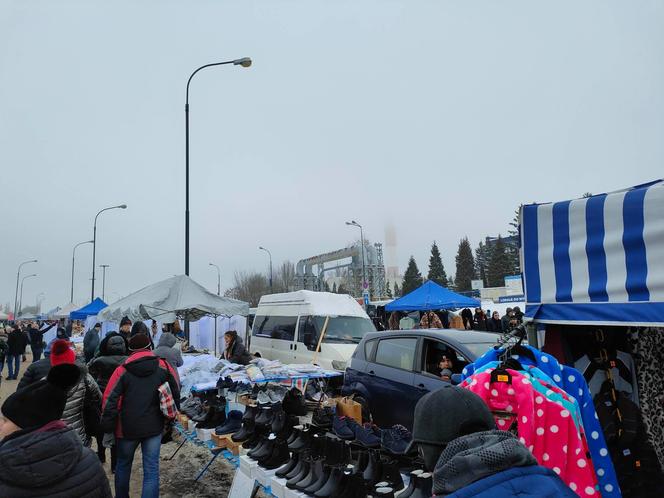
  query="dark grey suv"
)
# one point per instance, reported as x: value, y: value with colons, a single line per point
x: 391, y: 370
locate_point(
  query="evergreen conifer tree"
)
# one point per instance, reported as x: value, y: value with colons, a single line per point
x: 412, y: 279
x: 513, y: 247
x: 388, y: 290
x: 465, y: 266
x: 397, y: 290
x: 482, y: 257
x: 436, y: 268
x: 334, y: 287
x: 500, y: 264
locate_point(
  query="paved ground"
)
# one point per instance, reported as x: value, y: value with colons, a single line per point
x: 177, y: 475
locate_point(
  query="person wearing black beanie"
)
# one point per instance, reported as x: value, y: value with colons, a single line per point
x: 39, y: 454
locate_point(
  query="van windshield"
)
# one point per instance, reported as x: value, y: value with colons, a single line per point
x: 344, y: 329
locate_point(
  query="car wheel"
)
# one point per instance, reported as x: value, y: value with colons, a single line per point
x: 366, y: 412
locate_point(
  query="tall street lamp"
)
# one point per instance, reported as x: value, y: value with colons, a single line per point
x: 73, y: 263
x: 218, y: 279
x: 103, y: 281
x: 20, y: 301
x: 94, y: 246
x: 18, y: 273
x: 244, y: 62
x: 364, y: 275
x: 270, y: 254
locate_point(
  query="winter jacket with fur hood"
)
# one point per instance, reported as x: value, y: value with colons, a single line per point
x: 50, y: 462
x: 166, y: 350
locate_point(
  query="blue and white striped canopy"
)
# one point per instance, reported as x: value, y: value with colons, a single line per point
x: 597, y: 260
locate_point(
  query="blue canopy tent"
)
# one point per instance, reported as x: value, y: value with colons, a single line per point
x: 431, y: 296
x: 90, y: 309
x: 597, y: 260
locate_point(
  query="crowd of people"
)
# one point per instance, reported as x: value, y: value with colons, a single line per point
x: 122, y: 390
x: 486, y: 321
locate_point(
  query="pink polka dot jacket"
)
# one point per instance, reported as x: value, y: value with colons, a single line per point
x: 544, y: 426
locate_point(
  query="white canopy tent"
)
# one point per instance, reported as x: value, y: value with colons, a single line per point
x: 170, y: 299
x: 64, y: 311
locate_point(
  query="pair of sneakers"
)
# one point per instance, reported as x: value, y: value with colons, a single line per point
x: 347, y: 428
x: 268, y: 397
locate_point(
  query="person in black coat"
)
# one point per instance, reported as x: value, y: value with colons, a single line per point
x: 17, y: 341
x: 495, y: 324
x: 40, y: 456
x: 131, y: 410
x: 112, y: 354
x: 234, y: 350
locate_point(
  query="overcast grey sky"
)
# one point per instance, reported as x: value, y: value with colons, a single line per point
x: 439, y: 117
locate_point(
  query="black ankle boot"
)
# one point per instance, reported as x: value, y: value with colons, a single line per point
x: 290, y: 484
x: 249, y: 413
x: 297, y: 469
x: 288, y: 466
x: 277, y: 456
x: 315, y: 471
x: 371, y: 474
x: 264, y: 451
x: 390, y: 473
x: 246, y: 432
x: 406, y: 493
x: 423, y: 486
x: 332, y: 484
x: 320, y: 482
x: 302, y: 441
x: 362, y: 461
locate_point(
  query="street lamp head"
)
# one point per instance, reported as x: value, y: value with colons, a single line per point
x: 262, y: 248
x: 122, y: 206
x: 89, y: 242
x: 244, y: 62
x: 33, y: 275
x: 33, y: 261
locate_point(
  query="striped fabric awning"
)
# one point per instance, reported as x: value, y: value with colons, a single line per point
x: 597, y: 260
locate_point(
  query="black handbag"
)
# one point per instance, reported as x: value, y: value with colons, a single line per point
x: 323, y: 417
x: 293, y: 402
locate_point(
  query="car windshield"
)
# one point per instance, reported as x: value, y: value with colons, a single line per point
x: 479, y: 348
x: 344, y: 329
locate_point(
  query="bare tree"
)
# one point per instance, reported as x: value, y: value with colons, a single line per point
x: 285, y: 279
x: 249, y: 287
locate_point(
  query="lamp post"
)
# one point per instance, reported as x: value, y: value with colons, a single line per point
x: 365, y: 286
x: 103, y: 281
x: 244, y: 62
x: 94, y: 245
x: 20, y: 301
x: 218, y: 279
x: 18, y: 273
x: 270, y: 254
x: 73, y: 262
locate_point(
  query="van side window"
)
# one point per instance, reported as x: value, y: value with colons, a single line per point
x: 309, y: 331
x: 275, y: 327
x: 397, y: 353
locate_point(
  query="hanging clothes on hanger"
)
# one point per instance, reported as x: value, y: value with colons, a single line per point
x: 544, y: 426
x: 648, y: 347
x: 572, y: 382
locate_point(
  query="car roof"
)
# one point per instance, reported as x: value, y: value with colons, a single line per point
x: 450, y: 335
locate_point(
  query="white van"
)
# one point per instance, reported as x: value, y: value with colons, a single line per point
x: 288, y: 326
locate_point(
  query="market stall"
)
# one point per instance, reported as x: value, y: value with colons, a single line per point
x: 594, y: 283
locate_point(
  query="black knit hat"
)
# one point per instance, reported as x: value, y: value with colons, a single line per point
x: 125, y: 321
x: 44, y: 401
x: 444, y: 415
x: 138, y: 328
x: 139, y: 342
